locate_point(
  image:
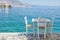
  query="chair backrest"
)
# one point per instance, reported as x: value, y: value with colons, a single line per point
x: 50, y: 24
x: 41, y: 22
x: 52, y: 20
x: 26, y: 22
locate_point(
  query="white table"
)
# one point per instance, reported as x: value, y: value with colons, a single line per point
x: 41, y: 20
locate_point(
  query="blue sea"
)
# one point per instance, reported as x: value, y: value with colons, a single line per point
x: 12, y: 19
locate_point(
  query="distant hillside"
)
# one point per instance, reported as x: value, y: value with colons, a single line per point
x: 15, y: 3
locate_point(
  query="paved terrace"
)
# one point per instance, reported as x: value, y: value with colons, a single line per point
x: 22, y: 36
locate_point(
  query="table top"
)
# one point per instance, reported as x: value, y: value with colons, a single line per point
x: 40, y: 20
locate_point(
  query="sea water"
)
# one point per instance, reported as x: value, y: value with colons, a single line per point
x: 12, y: 19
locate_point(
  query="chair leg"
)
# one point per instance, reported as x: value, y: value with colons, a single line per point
x: 38, y: 32
x: 33, y: 30
x: 45, y: 33
x: 26, y: 31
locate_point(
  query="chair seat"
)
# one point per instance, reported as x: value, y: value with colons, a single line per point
x: 41, y: 26
x: 30, y: 25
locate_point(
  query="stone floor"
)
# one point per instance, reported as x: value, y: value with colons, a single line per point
x: 17, y: 36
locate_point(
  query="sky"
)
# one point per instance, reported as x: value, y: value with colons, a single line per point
x: 42, y: 2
